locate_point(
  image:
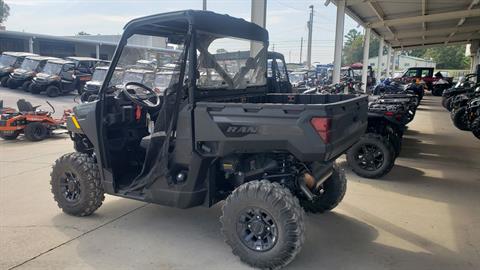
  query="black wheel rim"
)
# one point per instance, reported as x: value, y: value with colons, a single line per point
x: 369, y: 157
x: 70, y: 187
x: 256, y: 229
x: 38, y: 131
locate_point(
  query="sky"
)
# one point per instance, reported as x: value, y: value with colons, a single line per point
x: 286, y: 19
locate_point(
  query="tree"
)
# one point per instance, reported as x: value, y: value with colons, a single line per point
x: 353, y: 48
x: 448, y: 57
x: 351, y: 36
x: 4, y: 11
x: 83, y: 33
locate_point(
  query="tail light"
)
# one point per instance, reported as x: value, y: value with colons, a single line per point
x: 389, y: 113
x: 322, y: 127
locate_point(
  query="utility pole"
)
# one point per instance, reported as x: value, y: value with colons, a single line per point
x: 301, y: 50
x: 310, y: 29
x: 204, y: 4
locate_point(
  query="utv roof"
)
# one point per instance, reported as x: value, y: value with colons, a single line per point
x: 41, y: 58
x: 276, y: 55
x: 60, y: 61
x: 19, y: 54
x: 177, y: 22
x: 80, y: 58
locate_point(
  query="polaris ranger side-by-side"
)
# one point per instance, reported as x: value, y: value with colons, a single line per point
x: 217, y: 135
x: 23, y: 75
x: 10, y: 61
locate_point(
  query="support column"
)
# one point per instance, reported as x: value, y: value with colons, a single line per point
x: 97, y: 50
x: 380, y: 58
x: 30, y: 45
x: 474, y: 54
x: 395, y: 59
x: 204, y: 6
x: 337, y: 57
x: 389, y: 56
x: 259, y: 12
x: 366, y: 49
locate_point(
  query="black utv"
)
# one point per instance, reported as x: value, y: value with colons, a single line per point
x: 23, y: 75
x: 92, y: 87
x: 58, y: 77
x: 10, y: 61
x: 215, y: 134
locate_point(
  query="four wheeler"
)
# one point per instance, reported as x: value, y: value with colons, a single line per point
x: 58, y: 77
x: 23, y: 75
x: 10, y: 61
x: 465, y: 84
x: 35, y: 124
x: 374, y: 154
x: 459, y: 104
x: 473, y: 114
x: 218, y: 135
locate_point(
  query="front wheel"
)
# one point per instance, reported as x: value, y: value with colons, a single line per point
x: 53, y: 91
x: 36, y: 131
x: 476, y: 127
x: 26, y: 86
x: 372, y: 156
x: 3, y: 81
x: 264, y: 224
x: 76, y: 185
x: 333, y: 191
x: 12, y: 84
x: 460, y: 118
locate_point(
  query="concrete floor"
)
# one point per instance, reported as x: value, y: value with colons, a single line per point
x: 423, y: 215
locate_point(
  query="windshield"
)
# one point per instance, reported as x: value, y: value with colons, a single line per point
x: 133, y: 56
x: 52, y: 68
x: 7, y: 60
x: 99, y: 75
x: 230, y: 63
x: 162, y: 80
x: 296, y: 77
x: 29, y: 64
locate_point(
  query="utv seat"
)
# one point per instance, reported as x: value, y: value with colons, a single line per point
x: 25, y: 106
x: 156, y: 137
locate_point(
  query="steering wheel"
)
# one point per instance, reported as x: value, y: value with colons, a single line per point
x: 141, y: 95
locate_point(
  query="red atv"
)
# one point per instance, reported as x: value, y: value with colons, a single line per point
x: 35, y: 124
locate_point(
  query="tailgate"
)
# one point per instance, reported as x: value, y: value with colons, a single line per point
x: 226, y: 128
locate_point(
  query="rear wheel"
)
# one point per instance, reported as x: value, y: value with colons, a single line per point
x: 9, y: 135
x: 36, y: 131
x: 460, y: 118
x: 34, y: 89
x: 334, y: 189
x: 264, y: 224
x: 12, y: 84
x: 26, y: 86
x: 3, y: 81
x: 372, y: 156
x: 53, y: 91
x: 76, y: 186
x: 476, y: 127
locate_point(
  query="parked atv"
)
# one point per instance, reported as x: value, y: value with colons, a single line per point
x: 217, y: 136
x: 465, y: 84
x: 23, y: 75
x: 35, y: 124
x: 473, y: 113
x: 374, y: 154
x: 58, y: 77
x: 10, y: 61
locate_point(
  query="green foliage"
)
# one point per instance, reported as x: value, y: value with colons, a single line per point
x: 4, y: 11
x: 446, y: 57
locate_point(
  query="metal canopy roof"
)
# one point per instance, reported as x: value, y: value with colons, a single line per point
x: 417, y: 23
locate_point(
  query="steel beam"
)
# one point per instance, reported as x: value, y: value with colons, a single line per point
x: 433, y: 32
x: 337, y: 57
x: 380, y: 58
x: 427, y: 18
x: 366, y: 49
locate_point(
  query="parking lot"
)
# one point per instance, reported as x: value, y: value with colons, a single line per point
x: 423, y: 215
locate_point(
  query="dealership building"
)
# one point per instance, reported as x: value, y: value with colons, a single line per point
x: 97, y: 46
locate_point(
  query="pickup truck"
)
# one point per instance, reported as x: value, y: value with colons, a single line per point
x: 214, y: 134
x: 436, y: 83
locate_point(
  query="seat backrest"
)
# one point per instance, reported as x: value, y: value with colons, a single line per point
x: 24, y: 106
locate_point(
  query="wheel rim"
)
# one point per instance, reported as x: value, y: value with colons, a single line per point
x: 369, y: 157
x: 38, y: 132
x: 256, y: 229
x: 70, y: 187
